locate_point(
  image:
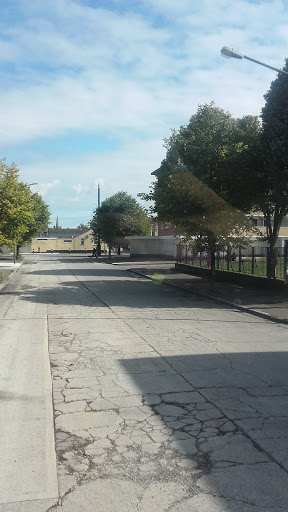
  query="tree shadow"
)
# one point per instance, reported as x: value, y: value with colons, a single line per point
x: 134, y: 293
x: 268, y: 300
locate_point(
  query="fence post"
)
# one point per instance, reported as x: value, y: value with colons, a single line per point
x: 253, y: 260
x: 240, y: 260
x: 217, y: 260
x: 268, y: 262
x: 228, y: 258
x: 285, y: 261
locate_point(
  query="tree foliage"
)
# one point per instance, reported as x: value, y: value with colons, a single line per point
x: 219, y: 151
x: 119, y: 216
x: 195, y: 210
x: 200, y: 180
x: 244, y: 163
x: 40, y: 218
x: 198, y: 190
x: 22, y: 214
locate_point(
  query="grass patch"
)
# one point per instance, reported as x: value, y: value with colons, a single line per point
x: 260, y: 267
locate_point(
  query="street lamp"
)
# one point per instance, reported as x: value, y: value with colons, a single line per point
x: 99, y: 238
x: 30, y: 184
x: 229, y: 52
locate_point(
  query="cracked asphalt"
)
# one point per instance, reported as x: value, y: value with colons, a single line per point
x: 162, y: 400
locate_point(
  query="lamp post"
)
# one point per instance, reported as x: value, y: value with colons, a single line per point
x: 34, y: 183
x: 230, y: 52
x: 99, y: 238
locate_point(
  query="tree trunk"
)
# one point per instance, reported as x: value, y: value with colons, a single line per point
x: 272, y: 235
x: 212, y: 271
x: 272, y: 259
x: 17, y: 251
x: 109, y: 253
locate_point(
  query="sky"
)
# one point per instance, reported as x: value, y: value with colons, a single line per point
x: 90, y: 88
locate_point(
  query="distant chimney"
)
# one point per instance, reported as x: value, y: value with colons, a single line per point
x: 57, y: 223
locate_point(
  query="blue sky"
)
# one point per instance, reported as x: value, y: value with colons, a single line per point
x: 90, y: 88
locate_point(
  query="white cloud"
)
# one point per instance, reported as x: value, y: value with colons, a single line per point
x: 127, y: 74
x: 81, y: 191
x: 108, y: 72
x: 44, y: 188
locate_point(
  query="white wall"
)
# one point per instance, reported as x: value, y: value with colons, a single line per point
x: 166, y: 246
x: 153, y: 245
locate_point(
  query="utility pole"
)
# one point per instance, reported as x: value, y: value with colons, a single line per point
x: 99, y: 239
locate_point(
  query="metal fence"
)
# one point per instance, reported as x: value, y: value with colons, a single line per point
x: 251, y: 260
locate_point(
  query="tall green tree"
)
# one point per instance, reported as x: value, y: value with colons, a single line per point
x: 15, y: 210
x: 199, y: 184
x: 119, y: 216
x: 22, y: 213
x: 220, y: 151
x: 273, y: 176
x: 40, y: 218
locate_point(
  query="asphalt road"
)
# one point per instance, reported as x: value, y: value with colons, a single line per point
x: 163, y: 400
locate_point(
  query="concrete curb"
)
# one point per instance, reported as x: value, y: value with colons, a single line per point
x: 245, y: 309
x: 12, y: 273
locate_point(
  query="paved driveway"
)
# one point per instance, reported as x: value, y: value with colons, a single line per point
x: 163, y: 401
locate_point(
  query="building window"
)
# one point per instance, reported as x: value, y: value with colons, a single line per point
x: 82, y: 241
x: 67, y: 241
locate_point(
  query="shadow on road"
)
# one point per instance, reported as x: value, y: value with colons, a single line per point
x: 274, y: 303
x: 131, y: 292
x: 227, y: 417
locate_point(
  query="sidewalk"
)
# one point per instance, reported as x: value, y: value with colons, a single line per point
x: 272, y: 305
x: 7, y: 268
